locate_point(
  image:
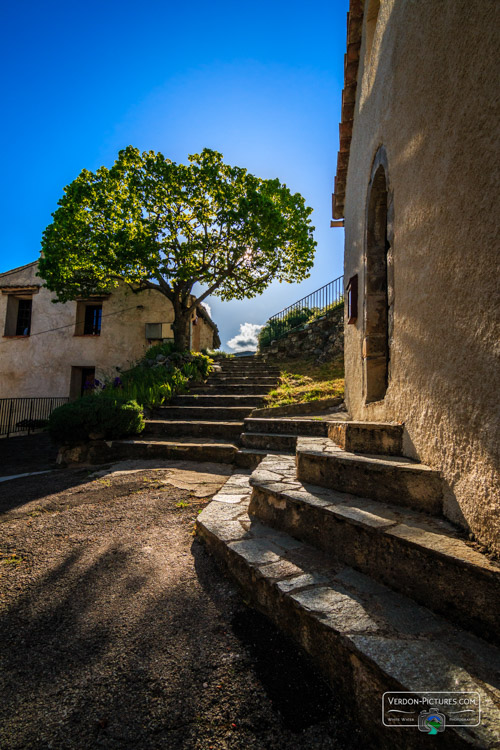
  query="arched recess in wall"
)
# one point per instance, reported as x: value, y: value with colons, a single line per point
x: 379, y: 287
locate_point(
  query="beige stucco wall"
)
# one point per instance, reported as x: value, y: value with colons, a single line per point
x: 40, y: 364
x: 206, y: 335
x: 428, y: 96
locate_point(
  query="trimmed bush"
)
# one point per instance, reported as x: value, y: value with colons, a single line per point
x: 93, y: 415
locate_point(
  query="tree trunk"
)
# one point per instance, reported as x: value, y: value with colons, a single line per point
x: 180, y: 327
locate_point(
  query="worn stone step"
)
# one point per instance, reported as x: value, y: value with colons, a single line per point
x: 187, y: 449
x: 205, y: 413
x: 269, y: 441
x: 235, y: 378
x: 247, y: 374
x: 426, y: 558
x: 230, y: 389
x: 250, y: 458
x: 216, y: 400
x: 313, y: 427
x: 179, y: 428
x: 262, y: 370
x: 365, y: 638
x: 400, y: 481
x: 368, y: 437
x: 219, y: 380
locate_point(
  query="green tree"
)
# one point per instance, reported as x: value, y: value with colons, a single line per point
x: 155, y: 224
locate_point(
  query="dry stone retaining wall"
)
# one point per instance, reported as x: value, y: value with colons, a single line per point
x: 322, y: 339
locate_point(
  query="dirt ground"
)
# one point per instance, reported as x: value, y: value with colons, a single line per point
x: 118, y: 631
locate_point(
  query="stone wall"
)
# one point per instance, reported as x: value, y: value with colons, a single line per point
x: 323, y: 339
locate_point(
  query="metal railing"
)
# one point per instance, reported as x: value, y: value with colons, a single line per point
x: 304, y: 311
x: 26, y: 414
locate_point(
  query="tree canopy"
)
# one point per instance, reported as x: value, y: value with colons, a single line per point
x: 155, y: 224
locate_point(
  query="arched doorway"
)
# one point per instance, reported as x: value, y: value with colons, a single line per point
x: 378, y: 295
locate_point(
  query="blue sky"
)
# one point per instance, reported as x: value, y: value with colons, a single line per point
x: 261, y: 83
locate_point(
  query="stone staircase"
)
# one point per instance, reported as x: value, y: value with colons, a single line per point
x: 345, y: 547
x: 206, y: 423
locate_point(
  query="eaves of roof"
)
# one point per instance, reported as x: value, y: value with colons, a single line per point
x: 351, y: 65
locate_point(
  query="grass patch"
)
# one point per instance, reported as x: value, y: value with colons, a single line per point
x: 305, y: 380
x: 11, y: 558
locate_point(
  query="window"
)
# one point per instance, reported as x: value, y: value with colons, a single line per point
x: 92, y: 324
x: 18, y: 319
x: 88, y: 318
x: 352, y: 299
x: 23, y: 317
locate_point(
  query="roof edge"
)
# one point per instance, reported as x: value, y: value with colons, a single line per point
x: 19, y: 268
x: 351, y: 67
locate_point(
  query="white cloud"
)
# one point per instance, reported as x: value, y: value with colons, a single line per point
x: 246, y: 339
x: 207, y: 308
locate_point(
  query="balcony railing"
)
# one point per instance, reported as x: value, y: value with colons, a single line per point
x: 26, y: 414
x: 307, y: 309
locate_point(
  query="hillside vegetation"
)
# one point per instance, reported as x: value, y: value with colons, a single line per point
x: 305, y: 380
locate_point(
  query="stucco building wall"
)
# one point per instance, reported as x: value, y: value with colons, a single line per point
x: 426, y: 95
x: 41, y: 364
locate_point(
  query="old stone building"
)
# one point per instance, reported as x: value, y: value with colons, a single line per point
x: 417, y: 188
x: 53, y: 350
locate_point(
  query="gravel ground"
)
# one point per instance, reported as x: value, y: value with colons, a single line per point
x: 118, y: 631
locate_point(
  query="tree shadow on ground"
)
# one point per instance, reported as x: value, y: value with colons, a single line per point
x: 102, y: 652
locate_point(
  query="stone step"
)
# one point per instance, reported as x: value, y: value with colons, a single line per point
x: 205, y: 413
x: 400, y: 481
x: 218, y: 380
x: 365, y: 638
x: 250, y: 458
x: 368, y: 437
x: 230, y: 431
x: 269, y: 441
x: 426, y: 558
x: 235, y: 377
x: 313, y: 427
x: 262, y: 370
x: 228, y: 389
x: 216, y: 400
x: 186, y: 449
x: 248, y: 373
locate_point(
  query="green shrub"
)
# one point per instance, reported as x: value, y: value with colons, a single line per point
x: 95, y: 415
x: 159, y: 375
x: 165, y: 349
x: 217, y: 354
